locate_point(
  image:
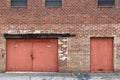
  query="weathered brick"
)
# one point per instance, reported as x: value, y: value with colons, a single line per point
x: 82, y: 18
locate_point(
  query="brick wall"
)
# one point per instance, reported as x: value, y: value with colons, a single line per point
x: 80, y: 17
x: 71, y: 12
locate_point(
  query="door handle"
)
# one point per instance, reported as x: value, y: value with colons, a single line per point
x: 32, y: 56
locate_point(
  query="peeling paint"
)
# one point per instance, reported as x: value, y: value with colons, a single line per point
x: 60, y: 52
x: 64, y: 46
x: 65, y: 39
x: 60, y: 55
x: 63, y: 58
x: 60, y: 42
x: 23, y: 31
x: 37, y: 31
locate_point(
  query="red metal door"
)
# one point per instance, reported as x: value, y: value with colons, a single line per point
x: 39, y: 55
x: 45, y: 55
x: 18, y: 55
x: 101, y: 54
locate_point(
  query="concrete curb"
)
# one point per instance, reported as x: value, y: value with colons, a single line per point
x: 59, y: 76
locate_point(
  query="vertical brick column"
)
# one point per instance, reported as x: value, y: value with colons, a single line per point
x: 2, y: 55
x: 62, y: 54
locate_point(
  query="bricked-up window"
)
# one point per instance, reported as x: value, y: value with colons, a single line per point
x: 53, y: 2
x: 106, y: 2
x: 18, y: 2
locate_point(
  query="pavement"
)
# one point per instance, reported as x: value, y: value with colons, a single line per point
x: 59, y: 76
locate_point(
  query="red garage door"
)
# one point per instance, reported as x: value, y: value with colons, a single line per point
x: 32, y: 55
x: 45, y: 52
x: 101, y: 54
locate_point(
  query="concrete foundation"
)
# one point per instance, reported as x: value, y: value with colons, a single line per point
x: 60, y: 76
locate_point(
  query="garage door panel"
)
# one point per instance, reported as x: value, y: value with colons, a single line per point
x: 18, y: 55
x: 101, y: 54
x: 53, y: 55
x: 45, y: 53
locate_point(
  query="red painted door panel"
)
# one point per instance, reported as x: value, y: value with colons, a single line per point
x: 37, y: 55
x: 18, y: 55
x: 101, y: 54
x: 45, y: 55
